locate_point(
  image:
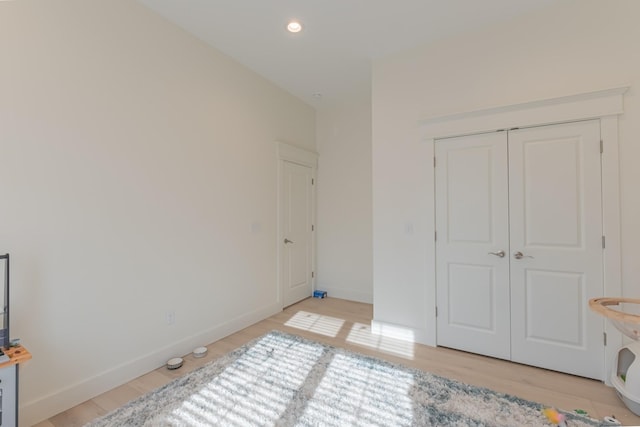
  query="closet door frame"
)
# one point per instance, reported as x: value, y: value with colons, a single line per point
x: 604, y: 105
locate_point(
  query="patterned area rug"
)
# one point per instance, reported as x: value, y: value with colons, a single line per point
x: 284, y: 380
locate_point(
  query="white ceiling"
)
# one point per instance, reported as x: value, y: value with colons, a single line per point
x: 332, y: 55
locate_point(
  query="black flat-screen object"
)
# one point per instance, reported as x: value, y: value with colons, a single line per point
x: 4, y: 302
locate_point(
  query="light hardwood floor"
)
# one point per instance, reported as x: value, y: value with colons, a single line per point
x: 346, y: 324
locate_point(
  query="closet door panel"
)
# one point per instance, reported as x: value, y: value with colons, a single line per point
x: 471, y: 222
x: 556, y: 226
x: 550, y: 187
x: 568, y: 290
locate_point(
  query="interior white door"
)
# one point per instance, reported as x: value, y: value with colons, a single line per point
x: 472, y: 244
x: 297, y: 204
x: 556, y: 224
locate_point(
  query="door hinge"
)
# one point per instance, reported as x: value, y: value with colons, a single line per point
x: 312, y: 181
x: 435, y: 236
x: 436, y: 311
x: 603, y: 242
x: 312, y: 229
x: 434, y: 161
x: 313, y: 274
x: 601, y: 147
x: 604, y: 335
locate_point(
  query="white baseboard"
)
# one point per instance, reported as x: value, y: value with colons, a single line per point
x: 47, y: 406
x: 348, y: 294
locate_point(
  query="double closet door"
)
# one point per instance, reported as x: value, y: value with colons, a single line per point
x: 519, y: 246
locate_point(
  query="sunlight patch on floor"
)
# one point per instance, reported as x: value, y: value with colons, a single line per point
x: 323, y: 325
x: 361, y: 334
x: 256, y: 389
x: 357, y: 396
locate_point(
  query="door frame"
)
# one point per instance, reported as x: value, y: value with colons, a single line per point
x: 291, y: 153
x: 605, y: 105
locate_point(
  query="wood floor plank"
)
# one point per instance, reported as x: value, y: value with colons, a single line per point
x: 346, y: 324
x: 78, y: 415
x: 117, y: 397
x: 150, y: 381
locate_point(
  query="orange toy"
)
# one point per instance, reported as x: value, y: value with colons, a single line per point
x: 555, y: 417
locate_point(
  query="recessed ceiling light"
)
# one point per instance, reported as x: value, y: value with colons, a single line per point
x: 294, y: 27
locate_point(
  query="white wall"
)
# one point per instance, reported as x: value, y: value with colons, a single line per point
x: 575, y: 46
x: 134, y: 161
x: 344, y: 202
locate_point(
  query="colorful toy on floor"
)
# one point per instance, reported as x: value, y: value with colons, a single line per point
x: 319, y: 294
x: 555, y: 417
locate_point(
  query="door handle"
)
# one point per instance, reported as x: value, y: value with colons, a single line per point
x: 287, y: 241
x: 520, y: 255
x: 499, y: 253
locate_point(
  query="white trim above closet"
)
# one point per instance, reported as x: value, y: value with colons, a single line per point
x: 590, y: 105
x: 605, y: 105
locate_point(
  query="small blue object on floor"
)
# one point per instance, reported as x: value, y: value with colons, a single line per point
x: 319, y: 294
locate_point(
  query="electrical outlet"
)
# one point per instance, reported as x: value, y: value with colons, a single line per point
x: 170, y: 317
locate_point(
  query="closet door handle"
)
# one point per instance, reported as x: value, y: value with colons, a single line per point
x: 520, y: 255
x: 499, y: 253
